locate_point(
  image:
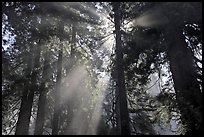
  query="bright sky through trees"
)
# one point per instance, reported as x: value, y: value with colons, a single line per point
x: 92, y: 68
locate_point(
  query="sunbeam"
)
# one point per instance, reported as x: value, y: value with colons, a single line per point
x: 101, y: 68
x: 86, y: 106
x: 150, y: 19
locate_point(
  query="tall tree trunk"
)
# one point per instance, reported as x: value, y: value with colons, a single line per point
x: 57, y: 107
x: 73, y: 45
x: 124, y: 116
x: 42, y: 98
x: 72, y: 58
x: 69, y: 104
x: 23, y: 122
x: 188, y: 93
x: 22, y: 125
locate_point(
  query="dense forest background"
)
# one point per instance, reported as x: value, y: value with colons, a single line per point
x: 111, y: 68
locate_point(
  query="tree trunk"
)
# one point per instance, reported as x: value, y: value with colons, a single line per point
x: 22, y: 127
x: 57, y: 107
x: 69, y: 104
x: 188, y: 93
x: 72, y: 58
x: 25, y: 112
x: 73, y: 44
x: 124, y: 116
x: 42, y: 98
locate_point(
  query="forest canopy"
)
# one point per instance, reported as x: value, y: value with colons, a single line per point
x: 102, y: 68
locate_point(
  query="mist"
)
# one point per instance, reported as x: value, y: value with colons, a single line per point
x: 92, y: 68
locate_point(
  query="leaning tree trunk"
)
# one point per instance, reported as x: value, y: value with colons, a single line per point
x: 22, y: 127
x: 120, y: 80
x: 188, y: 93
x: 57, y: 107
x: 24, y: 118
x: 42, y: 98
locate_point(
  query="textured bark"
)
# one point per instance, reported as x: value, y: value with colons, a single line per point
x: 188, y: 93
x: 42, y: 98
x: 122, y: 97
x: 57, y: 107
x: 27, y: 99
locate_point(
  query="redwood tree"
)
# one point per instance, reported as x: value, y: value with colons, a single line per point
x: 124, y: 116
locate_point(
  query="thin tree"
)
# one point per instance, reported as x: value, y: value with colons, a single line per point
x: 55, y: 124
x: 120, y: 81
x: 69, y: 105
x: 42, y: 98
